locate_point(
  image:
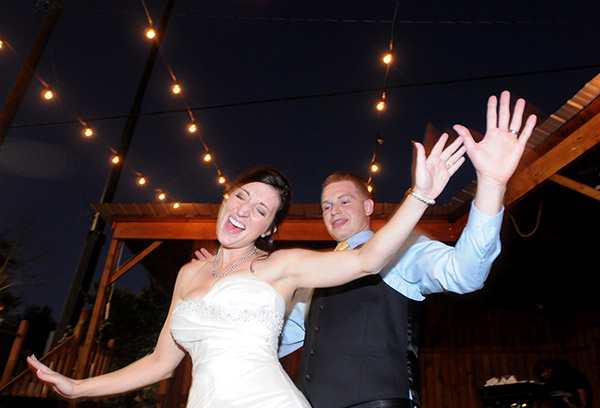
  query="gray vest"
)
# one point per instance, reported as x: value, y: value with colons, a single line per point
x: 360, y: 345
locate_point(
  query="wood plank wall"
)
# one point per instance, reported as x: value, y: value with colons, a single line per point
x: 463, y: 345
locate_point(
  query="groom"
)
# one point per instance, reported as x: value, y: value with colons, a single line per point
x: 360, y: 339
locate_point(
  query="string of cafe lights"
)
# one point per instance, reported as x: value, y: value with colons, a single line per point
x: 177, y: 89
x: 192, y: 127
x: 387, y: 59
x: 50, y: 94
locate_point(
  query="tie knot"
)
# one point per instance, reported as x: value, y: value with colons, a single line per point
x: 341, y: 246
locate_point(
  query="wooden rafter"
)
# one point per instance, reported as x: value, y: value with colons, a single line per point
x: 576, y: 186
x: 565, y: 152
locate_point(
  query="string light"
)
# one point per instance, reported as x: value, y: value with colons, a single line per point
x: 176, y: 89
x: 381, y: 105
x: 176, y: 205
x: 47, y: 94
x: 150, y: 33
x: 370, y: 188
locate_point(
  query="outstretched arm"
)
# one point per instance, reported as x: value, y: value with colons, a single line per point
x: 431, y: 174
x: 497, y: 155
x: 155, y: 367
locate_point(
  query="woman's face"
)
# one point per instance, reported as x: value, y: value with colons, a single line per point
x: 247, y: 214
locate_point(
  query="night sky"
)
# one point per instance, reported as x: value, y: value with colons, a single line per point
x: 287, y: 84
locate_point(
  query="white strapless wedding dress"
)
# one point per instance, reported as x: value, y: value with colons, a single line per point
x: 232, y: 336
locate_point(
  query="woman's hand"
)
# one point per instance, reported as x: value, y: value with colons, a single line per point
x: 431, y: 173
x: 62, y: 385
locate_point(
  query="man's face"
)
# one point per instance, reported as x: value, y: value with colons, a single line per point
x: 345, y: 212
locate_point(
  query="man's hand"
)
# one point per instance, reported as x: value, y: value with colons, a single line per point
x: 497, y: 155
x: 202, y: 255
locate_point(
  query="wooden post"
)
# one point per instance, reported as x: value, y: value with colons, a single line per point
x: 18, y: 91
x: 83, y: 359
x: 15, y: 352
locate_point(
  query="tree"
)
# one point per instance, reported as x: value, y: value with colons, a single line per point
x: 17, y: 260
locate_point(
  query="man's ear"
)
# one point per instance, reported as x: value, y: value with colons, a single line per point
x: 369, y: 206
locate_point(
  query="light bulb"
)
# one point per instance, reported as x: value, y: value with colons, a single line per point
x: 175, y: 204
x: 207, y: 157
x: 374, y: 168
x: 387, y: 58
x: 48, y: 94
x: 221, y: 180
x: 370, y: 188
x: 176, y: 89
x: 1, y: 44
x: 192, y: 128
x: 381, y: 106
x: 150, y: 33
x: 88, y: 132
x: 115, y: 159
x: 161, y: 196
x: 141, y: 181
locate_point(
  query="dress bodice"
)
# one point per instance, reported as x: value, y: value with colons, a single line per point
x: 232, y: 336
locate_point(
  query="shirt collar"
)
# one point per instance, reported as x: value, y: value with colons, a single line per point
x: 359, y: 239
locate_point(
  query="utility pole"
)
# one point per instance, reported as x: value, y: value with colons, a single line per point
x: 95, y: 238
x: 18, y: 91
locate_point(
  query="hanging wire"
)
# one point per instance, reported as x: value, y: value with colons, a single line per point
x: 537, y: 223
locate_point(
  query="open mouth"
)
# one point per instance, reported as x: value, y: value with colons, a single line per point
x: 236, y: 224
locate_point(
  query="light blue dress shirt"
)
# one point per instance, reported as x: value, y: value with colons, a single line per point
x: 422, y: 267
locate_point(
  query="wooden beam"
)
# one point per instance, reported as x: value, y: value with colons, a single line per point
x: 292, y: 229
x: 130, y: 263
x: 572, y: 147
x: 576, y: 186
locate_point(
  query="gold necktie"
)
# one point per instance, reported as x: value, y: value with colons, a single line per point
x: 341, y: 246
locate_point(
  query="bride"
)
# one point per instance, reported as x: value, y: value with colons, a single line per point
x: 227, y: 311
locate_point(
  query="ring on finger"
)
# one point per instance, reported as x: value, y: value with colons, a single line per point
x: 447, y: 165
x: 513, y: 131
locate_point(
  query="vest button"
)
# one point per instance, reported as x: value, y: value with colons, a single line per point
x: 322, y: 307
x: 307, y: 376
x: 312, y: 352
x: 317, y: 328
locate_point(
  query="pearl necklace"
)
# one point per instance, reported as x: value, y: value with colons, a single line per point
x: 220, y: 275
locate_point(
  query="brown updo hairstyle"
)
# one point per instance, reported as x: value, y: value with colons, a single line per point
x: 275, y: 179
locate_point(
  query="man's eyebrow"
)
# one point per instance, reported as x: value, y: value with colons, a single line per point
x: 343, y: 195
